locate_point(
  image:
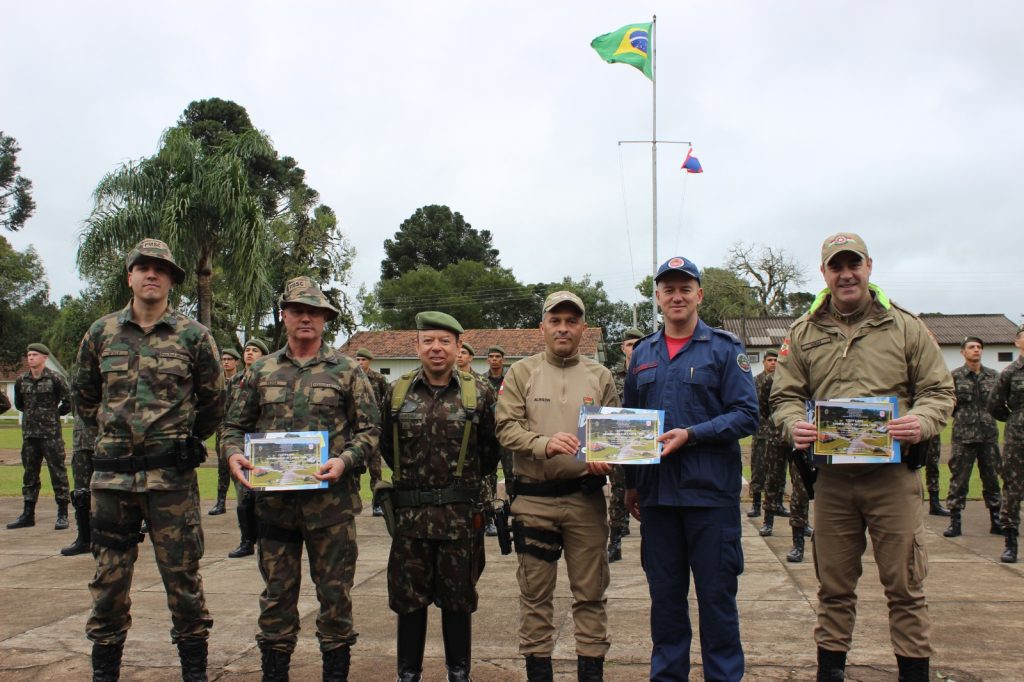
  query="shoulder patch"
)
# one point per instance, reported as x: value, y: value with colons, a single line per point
x: 743, y: 362
x: 784, y: 348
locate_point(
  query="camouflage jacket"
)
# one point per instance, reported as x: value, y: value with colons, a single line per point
x: 325, y: 393
x: 766, y: 428
x: 5, y: 402
x: 431, y: 422
x: 42, y: 402
x: 145, y: 392
x: 495, y: 381
x: 1006, y: 402
x: 971, y: 421
x: 380, y: 387
x: 619, y: 375
x: 230, y: 389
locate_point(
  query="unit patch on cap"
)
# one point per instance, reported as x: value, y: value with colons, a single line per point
x: 676, y: 262
x: 839, y: 240
x: 743, y: 362
x: 151, y: 244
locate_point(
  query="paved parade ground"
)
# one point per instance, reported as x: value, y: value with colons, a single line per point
x: 976, y: 606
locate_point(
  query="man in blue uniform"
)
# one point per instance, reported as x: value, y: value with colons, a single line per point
x: 689, y: 501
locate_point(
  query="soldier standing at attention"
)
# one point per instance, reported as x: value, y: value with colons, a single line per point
x: 1006, y: 403
x: 618, y: 517
x: 496, y: 375
x: 306, y: 386
x: 150, y: 381
x: 489, y: 482
x: 975, y: 437
x: 558, y: 500
x: 854, y: 342
x: 229, y: 361
x: 765, y: 431
x: 83, y: 441
x: 380, y: 386
x: 42, y: 396
x: 437, y: 436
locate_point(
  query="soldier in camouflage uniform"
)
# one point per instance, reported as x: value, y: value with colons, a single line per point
x: 380, y: 386
x: 149, y: 379
x: 774, y: 453
x: 83, y: 441
x: 618, y: 517
x: 437, y: 552
x: 307, y: 386
x: 41, y: 395
x: 1006, y: 403
x: 975, y: 437
x: 496, y: 372
x: 760, y: 442
x: 489, y: 482
x: 229, y: 358
x: 5, y: 402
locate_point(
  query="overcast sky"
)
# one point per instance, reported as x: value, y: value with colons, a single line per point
x: 899, y: 120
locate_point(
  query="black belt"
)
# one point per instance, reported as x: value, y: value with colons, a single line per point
x: 434, y: 498
x: 560, y: 487
x: 174, y: 455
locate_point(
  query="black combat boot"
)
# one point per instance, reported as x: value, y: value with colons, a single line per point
x: 275, y: 665
x: 994, y: 528
x: 247, y: 527
x: 755, y: 506
x: 80, y: 501
x: 219, y: 507
x: 955, y: 529
x: 769, y: 524
x: 590, y: 669
x: 615, y: 545
x: 912, y: 669
x: 796, y: 555
x: 336, y: 664
x: 192, y: 653
x: 27, y: 518
x: 1009, y: 555
x: 808, y: 531
x: 62, y: 516
x: 831, y: 665
x: 625, y: 526
x: 457, y: 631
x: 780, y: 510
x: 935, y: 507
x: 377, y: 510
x: 106, y: 662
x: 538, y: 669
x: 412, y: 637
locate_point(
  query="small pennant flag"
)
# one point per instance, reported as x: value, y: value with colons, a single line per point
x: 690, y: 163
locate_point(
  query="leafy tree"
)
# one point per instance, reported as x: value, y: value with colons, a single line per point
x: 25, y: 308
x: 771, y: 272
x: 16, y: 204
x: 799, y: 302
x: 72, y: 321
x: 726, y: 294
x: 434, y: 236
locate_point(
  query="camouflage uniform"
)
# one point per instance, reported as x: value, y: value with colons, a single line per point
x: 325, y: 393
x: 765, y: 430
x: 223, y: 473
x: 975, y: 436
x: 506, y: 455
x: 146, y: 392
x: 5, y: 402
x: 42, y: 402
x: 931, y: 466
x: 380, y: 388
x: 1006, y: 403
x: 83, y: 440
x: 775, y: 454
x: 618, y: 517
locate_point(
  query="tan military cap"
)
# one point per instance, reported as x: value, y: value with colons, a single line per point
x: 304, y: 290
x: 559, y: 297
x: 154, y: 249
x: 843, y: 241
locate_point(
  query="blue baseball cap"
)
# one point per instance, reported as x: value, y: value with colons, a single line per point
x: 679, y: 264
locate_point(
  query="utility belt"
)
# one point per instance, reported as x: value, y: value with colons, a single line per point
x: 183, y: 455
x: 434, y: 498
x: 561, y: 487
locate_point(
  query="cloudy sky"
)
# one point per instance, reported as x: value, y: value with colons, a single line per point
x: 899, y: 120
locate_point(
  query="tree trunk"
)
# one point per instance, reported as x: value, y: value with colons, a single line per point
x: 204, y: 287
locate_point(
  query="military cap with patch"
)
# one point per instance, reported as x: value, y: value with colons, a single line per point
x: 433, y: 319
x: 231, y: 352
x: 496, y: 349
x: 154, y: 249
x: 38, y: 347
x: 258, y: 343
x: 557, y: 298
x: 364, y: 353
x: 968, y: 339
x: 303, y: 290
x: 678, y: 264
x: 771, y: 353
x: 843, y: 241
x: 632, y: 333
x: 468, y: 348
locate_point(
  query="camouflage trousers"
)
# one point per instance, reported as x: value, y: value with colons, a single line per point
x: 1013, y: 485
x: 618, y: 517
x: 81, y: 468
x: 332, y: 553
x: 374, y: 467
x: 177, y: 539
x: 758, y: 448
x: 33, y: 452
x: 776, y: 458
x: 931, y: 466
x: 961, y: 466
x: 223, y: 476
x: 492, y: 479
x: 441, y: 572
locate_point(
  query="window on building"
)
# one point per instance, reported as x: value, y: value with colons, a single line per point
x: 1005, y: 356
x: 385, y: 371
x: 754, y: 356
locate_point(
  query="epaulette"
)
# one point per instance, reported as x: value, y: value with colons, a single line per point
x: 726, y: 333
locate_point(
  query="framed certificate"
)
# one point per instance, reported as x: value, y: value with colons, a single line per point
x: 855, y: 430
x: 286, y: 460
x: 620, y: 435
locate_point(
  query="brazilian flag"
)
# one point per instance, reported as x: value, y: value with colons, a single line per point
x: 629, y: 45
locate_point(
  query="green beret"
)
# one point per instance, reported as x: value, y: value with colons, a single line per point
x: 39, y: 348
x: 432, y: 319
x: 232, y: 352
x: 496, y: 349
x: 771, y: 353
x: 468, y: 348
x: 364, y: 353
x: 258, y: 343
x: 632, y: 333
x: 968, y: 339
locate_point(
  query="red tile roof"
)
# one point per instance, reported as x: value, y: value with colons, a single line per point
x: 518, y: 343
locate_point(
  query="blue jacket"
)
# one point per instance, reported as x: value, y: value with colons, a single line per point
x: 706, y: 386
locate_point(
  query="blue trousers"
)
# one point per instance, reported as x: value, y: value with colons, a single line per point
x: 706, y: 541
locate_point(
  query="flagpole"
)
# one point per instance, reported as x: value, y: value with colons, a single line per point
x: 654, y: 171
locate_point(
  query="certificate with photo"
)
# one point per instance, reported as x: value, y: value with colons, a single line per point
x: 286, y: 460
x: 855, y: 430
x: 620, y: 435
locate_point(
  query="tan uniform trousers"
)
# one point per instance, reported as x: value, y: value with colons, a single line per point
x: 887, y: 503
x: 583, y: 522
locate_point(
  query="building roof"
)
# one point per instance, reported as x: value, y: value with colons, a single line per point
x: 949, y: 330
x: 518, y: 343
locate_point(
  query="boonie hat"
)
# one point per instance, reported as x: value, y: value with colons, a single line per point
x: 364, y: 353
x: 231, y: 352
x: 496, y: 349
x: 259, y: 344
x: 843, y: 241
x: 468, y: 348
x: 771, y: 353
x: 154, y: 249
x: 303, y: 290
x: 433, y: 319
x: 38, y: 347
x: 632, y: 333
x: 678, y: 264
x: 558, y: 297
